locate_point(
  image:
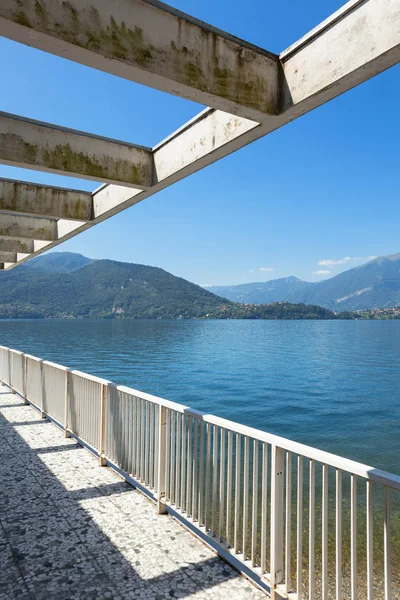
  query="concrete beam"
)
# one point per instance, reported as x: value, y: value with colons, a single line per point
x: 153, y: 44
x: 8, y: 257
x: 45, y: 147
x: 34, y: 228
x: 16, y: 244
x: 45, y: 201
x: 354, y: 44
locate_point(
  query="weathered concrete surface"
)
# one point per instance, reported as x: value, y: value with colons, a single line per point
x: 195, y: 144
x: 10, y: 244
x: 359, y: 41
x: 153, y: 44
x: 46, y: 201
x: 9, y: 257
x: 28, y: 227
x: 32, y: 144
x: 70, y: 529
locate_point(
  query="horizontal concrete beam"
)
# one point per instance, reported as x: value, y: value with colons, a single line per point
x: 22, y: 245
x: 46, y: 201
x: 8, y: 257
x: 153, y: 44
x: 34, y: 228
x: 45, y: 147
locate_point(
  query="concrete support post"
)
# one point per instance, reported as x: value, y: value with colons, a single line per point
x: 103, y: 460
x: 277, y: 500
x: 67, y: 392
x: 162, y: 463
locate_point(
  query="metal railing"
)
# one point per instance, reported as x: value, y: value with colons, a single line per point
x: 302, y: 523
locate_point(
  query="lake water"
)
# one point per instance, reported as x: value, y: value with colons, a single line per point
x: 330, y: 384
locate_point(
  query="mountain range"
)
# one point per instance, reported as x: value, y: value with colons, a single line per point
x: 66, y: 285
x: 375, y: 284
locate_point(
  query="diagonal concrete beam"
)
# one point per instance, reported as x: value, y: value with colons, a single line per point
x: 34, y: 228
x: 354, y: 44
x: 45, y: 147
x: 153, y: 44
x: 45, y: 201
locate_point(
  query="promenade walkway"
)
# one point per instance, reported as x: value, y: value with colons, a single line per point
x: 70, y: 529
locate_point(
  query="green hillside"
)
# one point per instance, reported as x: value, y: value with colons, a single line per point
x: 111, y: 289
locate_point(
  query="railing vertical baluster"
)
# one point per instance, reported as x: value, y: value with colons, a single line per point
x: 237, y: 494
x: 67, y: 432
x: 325, y: 532
x: 386, y: 542
x: 353, y: 533
x: 103, y: 461
x: 183, y: 465
x: 178, y: 461
x: 174, y: 454
x: 222, y: 486
x: 277, y: 496
x: 137, y: 445
x: 207, y: 475
x: 142, y: 439
x: 124, y: 429
x: 254, y: 511
x: 264, y: 508
x: 370, y: 542
x: 246, y: 493
x: 229, y: 490
x: 214, y: 483
x: 25, y: 376
x: 189, y: 469
x: 157, y: 408
x: 151, y: 457
x: 42, y: 400
x: 288, y: 522
x: 201, y: 476
x: 299, y: 537
x: 131, y: 431
x: 338, y: 534
x: 311, y: 529
x: 195, y: 468
x: 147, y: 443
x: 162, y: 461
x: 168, y: 455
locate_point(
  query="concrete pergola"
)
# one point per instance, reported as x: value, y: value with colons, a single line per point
x: 250, y: 92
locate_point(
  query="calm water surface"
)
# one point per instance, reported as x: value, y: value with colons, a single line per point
x: 330, y: 384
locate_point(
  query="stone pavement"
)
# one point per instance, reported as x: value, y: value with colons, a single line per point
x: 70, y: 529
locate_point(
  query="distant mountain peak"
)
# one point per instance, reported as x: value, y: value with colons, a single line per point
x: 59, y: 262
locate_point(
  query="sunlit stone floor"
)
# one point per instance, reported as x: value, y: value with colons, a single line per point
x: 70, y: 529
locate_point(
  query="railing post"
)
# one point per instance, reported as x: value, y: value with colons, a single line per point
x: 162, y: 463
x: 277, y: 499
x: 67, y: 391
x: 25, y: 379
x: 42, y: 411
x: 103, y: 460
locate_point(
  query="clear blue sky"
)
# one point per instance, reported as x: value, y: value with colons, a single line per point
x: 323, y: 188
